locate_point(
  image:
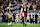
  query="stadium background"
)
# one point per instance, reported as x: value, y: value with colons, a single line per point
x: 17, y: 6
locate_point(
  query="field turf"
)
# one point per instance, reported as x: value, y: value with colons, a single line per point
x: 19, y: 25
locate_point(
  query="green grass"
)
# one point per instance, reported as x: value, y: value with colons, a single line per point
x: 19, y: 25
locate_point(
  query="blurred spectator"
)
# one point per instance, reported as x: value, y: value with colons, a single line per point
x: 28, y: 16
x: 5, y: 6
x: 3, y: 18
x: 6, y: 19
x: 0, y: 11
x: 0, y: 4
x: 39, y: 16
x: 32, y: 21
x: 39, y: 8
x: 34, y: 6
x: 14, y: 17
x: 31, y: 8
x: 36, y: 16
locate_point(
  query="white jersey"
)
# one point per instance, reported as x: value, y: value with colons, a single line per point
x: 38, y: 15
x: 6, y: 13
x: 31, y: 15
x: 27, y: 15
x: 23, y: 14
x: 16, y: 15
x: 20, y: 16
x: 28, y: 5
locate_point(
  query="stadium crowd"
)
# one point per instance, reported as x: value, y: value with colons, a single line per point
x: 19, y: 9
